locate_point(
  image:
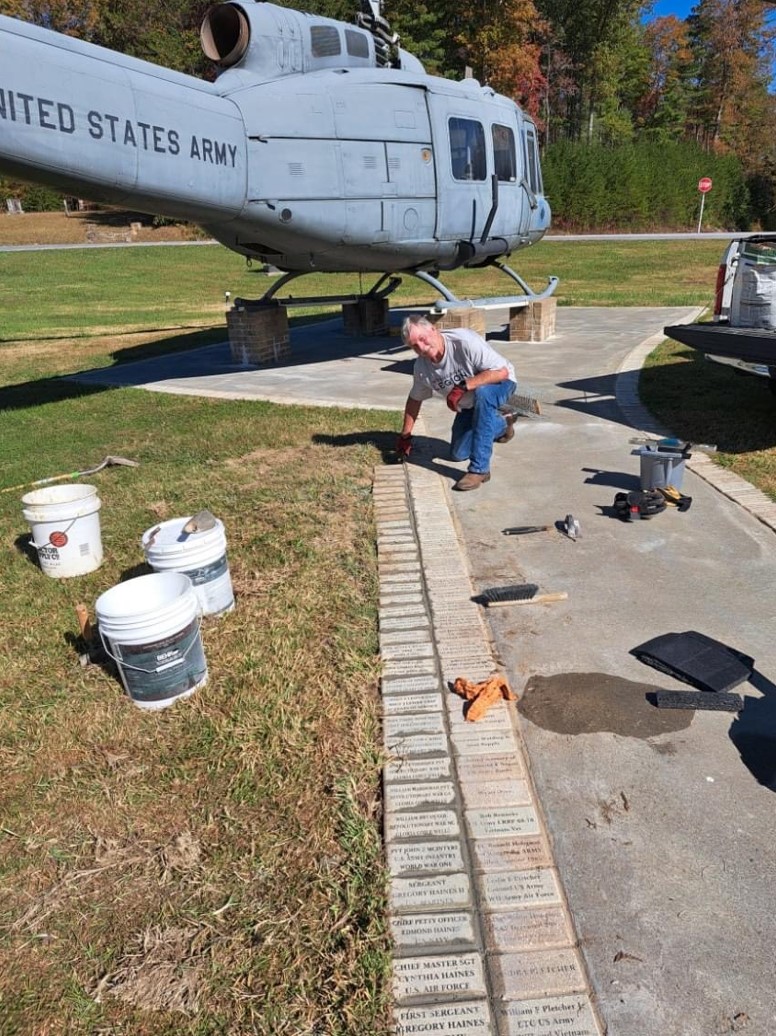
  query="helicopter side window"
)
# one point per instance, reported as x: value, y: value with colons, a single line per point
x: 357, y: 43
x: 467, y: 149
x: 504, y: 156
x: 325, y: 41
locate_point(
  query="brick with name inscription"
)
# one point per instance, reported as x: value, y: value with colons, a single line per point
x: 394, y: 652
x: 417, y: 769
x: 397, y: 727
x: 444, y: 1020
x: 405, y: 623
x: 412, y: 931
x: 422, y: 857
x: 442, y: 823
x: 502, y: 820
x: 548, y: 1016
x: 459, y: 974
x: 504, y: 889
x: 411, y: 796
x: 438, y: 892
x: 491, y: 767
x: 410, y: 636
x: 419, y: 744
x: 480, y: 794
x: 519, y: 853
x: 408, y: 666
x: 529, y: 928
x: 520, y: 976
x: 410, y: 684
x: 398, y: 704
x: 475, y: 742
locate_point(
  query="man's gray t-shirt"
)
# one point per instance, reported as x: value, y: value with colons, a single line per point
x: 466, y: 354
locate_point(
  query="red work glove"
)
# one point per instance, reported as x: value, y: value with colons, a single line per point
x: 404, y: 445
x: 455, y: 395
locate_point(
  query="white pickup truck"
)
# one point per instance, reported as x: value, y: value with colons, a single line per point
x: 743, y: 328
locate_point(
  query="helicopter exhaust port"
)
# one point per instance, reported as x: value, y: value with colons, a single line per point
x: 225, y: 34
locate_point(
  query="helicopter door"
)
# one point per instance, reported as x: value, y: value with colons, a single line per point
x: 507, y: 170
x: 463, y: 178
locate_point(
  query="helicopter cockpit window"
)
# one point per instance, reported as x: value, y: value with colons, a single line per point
x: 357, y: 43
x: 504, y: 153
x: 325, y: 41
x: 467, y: 149
x: 534, y: 176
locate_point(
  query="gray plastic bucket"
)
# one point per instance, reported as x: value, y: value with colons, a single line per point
x: 661, y: 467
x: 150, y: 627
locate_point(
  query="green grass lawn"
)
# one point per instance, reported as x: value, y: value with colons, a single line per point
x: 216, y: 868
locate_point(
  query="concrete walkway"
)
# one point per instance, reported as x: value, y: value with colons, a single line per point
x: 584, y: 863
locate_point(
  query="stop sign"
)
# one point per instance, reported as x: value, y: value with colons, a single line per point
x: 704, y: 184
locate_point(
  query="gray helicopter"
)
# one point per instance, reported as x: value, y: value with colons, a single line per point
x: 320, y: 146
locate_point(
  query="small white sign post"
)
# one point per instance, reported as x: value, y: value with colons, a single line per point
x: 704, y: 186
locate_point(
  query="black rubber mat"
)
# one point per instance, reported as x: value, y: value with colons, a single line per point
x: 697, y: 660
x: 699, y: 700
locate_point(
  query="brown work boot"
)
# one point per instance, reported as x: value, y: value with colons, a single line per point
x: 471, y: 480
x: 510, y: 432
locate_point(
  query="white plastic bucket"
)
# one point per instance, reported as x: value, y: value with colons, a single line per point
x: 150, y: 626
x: 200, y: 555
x: 65, y: 525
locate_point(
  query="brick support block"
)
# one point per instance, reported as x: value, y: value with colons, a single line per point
x: 365, y: 317
x: 258, y: 334
x: 453, y: 318
x: 534, y: 322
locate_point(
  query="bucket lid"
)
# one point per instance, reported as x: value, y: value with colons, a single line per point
x: 169, y: 540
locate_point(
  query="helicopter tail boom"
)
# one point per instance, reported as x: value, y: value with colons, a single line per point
x: 116, y: 129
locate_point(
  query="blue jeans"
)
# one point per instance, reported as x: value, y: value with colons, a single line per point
x: 475, y: 430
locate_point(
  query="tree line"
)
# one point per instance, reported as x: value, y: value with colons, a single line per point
x: 631, y: 109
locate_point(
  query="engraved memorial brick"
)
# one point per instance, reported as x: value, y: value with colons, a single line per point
x: 481, y: 794
x: 502, y: 820
x: 475, y: 742
x: 409, y: 666
x: 400, y: 636
x: 518, y: 976
x: 505, y: 889
x: 417, y: 769
x: 397, y: 704
x: 412, y: 796
x: 420, y: 744
x: 396, y: 652
x: 422, y: 857
x: 437, y: 892
x: 530, y: 928
x: 444, y: 1020
x: 410, y: 684
x: 459, y: 974
x: 549, y: 1016
x: 519, y: 853
x: 446, y: 931
x: 491, y: 767
x: 440, y: 823
x: 397, y: 727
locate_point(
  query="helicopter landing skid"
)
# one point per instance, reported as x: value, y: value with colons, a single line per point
x: 450, y: 301
x: 378, y: 291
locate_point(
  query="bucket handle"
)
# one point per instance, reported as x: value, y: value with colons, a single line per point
x: 140, y: 669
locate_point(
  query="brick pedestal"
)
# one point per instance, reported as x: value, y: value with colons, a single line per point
x: 534, y: 322
x: 453, y: 318
x: 258, y: 334
x: 365, y: 317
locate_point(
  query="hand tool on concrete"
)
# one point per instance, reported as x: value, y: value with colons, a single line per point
x: 699, y: 700
x: 522, y: 403
x: 106, y: 462
x: 518, y: 593
x: 571, y: 527
x: 522, y: 530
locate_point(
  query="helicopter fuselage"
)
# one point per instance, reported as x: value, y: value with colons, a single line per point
x: 296, y: 156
